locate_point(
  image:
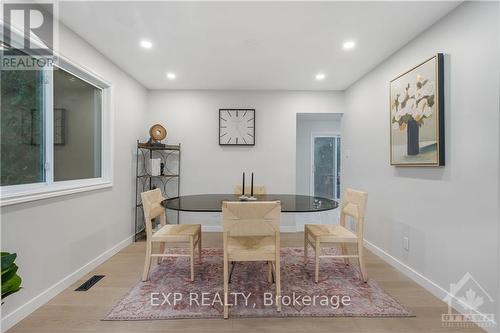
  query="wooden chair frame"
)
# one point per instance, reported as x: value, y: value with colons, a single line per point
x: 151, y: 201
x: 257, y: 190
x: 356, y: 211
x: 252, y: 228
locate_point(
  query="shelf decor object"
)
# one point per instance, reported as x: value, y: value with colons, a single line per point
x: 237, y: 127
x: 166, y: 178
x: 157, y: 133
x: 417, y: 115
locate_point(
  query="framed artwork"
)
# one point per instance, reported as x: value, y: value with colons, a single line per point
x: 417, y: 115
x: 237, y: 127
x: 59, y: 126
x: 33, y: 124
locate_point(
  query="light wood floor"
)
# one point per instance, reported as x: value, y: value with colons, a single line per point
x: 72, y: 312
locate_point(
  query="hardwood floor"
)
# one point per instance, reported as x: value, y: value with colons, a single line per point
x: 74, y: 312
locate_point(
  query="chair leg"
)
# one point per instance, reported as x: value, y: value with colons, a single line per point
x: 343, y: 248
x: 147, y: 262
x: 278, y: 284
x: 199, y: 247
x: 305, y: 244
x: 317, y: 251
x: 191, y: 257
x: 226, y: 287
x: 362, y: 262
x: 162, y: 250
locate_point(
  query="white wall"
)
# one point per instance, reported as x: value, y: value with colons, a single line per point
x: 450, y: 214
x: 307, y: 125
x: 191, y: 118
x: 57, y: 237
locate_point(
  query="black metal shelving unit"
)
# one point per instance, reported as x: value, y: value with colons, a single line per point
x: 169, y: 182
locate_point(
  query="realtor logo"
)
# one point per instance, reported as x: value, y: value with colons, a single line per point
x: 30, y: 19
x: 28, y: 36
x: 468, y: 296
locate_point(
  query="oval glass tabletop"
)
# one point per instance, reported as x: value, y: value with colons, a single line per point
x: 290, y: 203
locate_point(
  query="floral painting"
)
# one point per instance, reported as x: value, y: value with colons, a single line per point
x: 417, y: 115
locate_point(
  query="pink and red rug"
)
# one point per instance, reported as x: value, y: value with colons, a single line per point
x: 169, y: 294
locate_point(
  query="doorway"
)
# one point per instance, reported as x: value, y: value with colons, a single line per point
x: 324, y: 127
x: 325, y: 166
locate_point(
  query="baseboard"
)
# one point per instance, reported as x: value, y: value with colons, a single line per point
x: 24, y: 310
x: 218, y: 228
x: 419, y: 278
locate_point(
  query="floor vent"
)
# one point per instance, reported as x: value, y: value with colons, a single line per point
x: 89, y: 283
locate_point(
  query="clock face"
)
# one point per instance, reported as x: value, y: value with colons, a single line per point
x: 237, y: 127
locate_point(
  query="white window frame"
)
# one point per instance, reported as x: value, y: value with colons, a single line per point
x: 14, y: 194
x: 315, y: 135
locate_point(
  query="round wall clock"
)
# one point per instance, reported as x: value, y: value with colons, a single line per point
x: 237, y: 127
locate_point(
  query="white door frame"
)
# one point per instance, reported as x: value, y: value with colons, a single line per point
x: 315, y: 135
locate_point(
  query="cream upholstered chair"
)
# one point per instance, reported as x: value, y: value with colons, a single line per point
x: 353, y: 205
x: 257, y: 189
x: 252, y: 233
x: 167, y: 233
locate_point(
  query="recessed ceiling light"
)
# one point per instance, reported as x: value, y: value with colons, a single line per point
x: 320, y: 76
x: 349, y: 44
x: 146, y: 44
x: 171, y: 76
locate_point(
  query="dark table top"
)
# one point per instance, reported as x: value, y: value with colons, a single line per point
x: 290, y: 203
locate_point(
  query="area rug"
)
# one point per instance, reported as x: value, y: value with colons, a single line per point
x: 169, y: 294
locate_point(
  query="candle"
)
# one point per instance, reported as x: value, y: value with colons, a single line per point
x: 243, y: 187
x: 251, y: 190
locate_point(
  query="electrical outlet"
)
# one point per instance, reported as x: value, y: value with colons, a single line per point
x: 406, y: 243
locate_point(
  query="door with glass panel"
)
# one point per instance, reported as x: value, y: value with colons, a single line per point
x: 325, y: 170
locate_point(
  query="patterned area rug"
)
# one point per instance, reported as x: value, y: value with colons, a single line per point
x: 169, y: 294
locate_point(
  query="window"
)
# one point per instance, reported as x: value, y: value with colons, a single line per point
x: 77, y: 128
x: 55, y: 126
x: 21, y: 154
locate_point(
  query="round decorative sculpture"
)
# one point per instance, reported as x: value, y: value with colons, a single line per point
x: 157, y: 132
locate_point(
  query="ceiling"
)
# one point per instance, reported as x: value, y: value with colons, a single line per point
x: 249, y: 45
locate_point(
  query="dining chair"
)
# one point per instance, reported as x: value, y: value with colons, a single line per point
x: 167, y: 233
x: 257, y: 189
x: 353, y: 204
x: 251, y: 232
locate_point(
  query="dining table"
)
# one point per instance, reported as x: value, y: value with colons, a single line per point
x: 290, y: 203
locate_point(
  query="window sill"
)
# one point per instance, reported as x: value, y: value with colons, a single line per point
x: 44, y: 191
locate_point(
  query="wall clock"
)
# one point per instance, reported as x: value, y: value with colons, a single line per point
x: 237, y: 127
